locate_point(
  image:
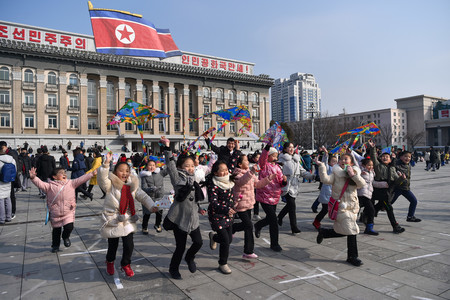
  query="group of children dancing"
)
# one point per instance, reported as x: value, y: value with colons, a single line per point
x: 232, y: 186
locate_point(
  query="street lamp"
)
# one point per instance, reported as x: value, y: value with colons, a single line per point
x: 312, y: 110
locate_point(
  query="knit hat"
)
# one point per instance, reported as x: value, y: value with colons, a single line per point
x: 272, y: 150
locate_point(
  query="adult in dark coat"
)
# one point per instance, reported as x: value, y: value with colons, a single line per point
x: 229, y: 153
x: 433, y: 158
x: 64, y: 161
x: 25, y: 167
x: 79, y: 169
x: 44, y: 166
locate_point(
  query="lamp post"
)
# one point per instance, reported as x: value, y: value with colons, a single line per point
x: 312, y: 110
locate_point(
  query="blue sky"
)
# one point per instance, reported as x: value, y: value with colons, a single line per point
x: 364, y: 54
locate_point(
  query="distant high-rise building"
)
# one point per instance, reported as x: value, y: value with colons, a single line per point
x: 296, y: 98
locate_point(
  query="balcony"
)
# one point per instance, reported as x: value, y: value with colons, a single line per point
x: 177, y: 115
x: 255, y: 104
x: 73, y: 109
x: 206, y: 100
x: 6, y: 84
x: 73, y: 88
x: 28, y: 106
x: 51, y: 87
x: 92, y: 110
x: 233, y: 102
x: 6, y: 106
x: 51, y: 108
x: 31, y: 86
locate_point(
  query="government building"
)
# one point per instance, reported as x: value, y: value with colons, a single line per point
x: 55, y: 88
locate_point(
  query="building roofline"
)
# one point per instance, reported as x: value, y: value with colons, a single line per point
x: 422, y: 96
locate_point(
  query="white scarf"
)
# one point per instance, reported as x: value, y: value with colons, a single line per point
x: 223, y: 182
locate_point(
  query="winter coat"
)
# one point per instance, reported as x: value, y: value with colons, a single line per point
x: 115, y: 226
x: 153, y: 185
x: 383, y: 172
x: 270, y: 194
x: 293, y: 170
x: 202, y: 170
x: 325, y: 190
x: 220, y: 203
x: 245, y: 183
x: 225, y: 155
x: 5, y: 187
x: 25, y: 165
x: 63, y: 162
x: 78, y: 166
x: 345, y: 222
x: 95, y: 165
x: 308, y: 161
x: 61, y: 208
x: 404, y: 169
x: 44, y: 166
x: 184, y: 213
x: 367, y: 190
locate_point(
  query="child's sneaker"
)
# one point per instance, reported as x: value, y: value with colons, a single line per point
x: 128, y: 271
x: 212, y: 243
x: 398, y: 229
x: 110, y: 268
x: 413, y: 219
x: 316, y: 224
x: 249, y: 256
x: 144, y: 231
x: 158, y: 228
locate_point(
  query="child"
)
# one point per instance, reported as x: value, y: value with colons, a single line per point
x: 220, y: 212
x: 345, y: 175
x: 404, y: 168
x: 97, y: 162
x: 245, y: 182
x: 182, y: 216
x: 202, y: 170
x: 325, y: 191
x: 61, y: 202
x: 152, y: 182
x: 119, y: 214
x: 385, y: 179
x: 269, y: 196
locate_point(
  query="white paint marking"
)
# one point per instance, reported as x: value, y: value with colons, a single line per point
x: 309, y: 277
x: 135, y: 260
x: 276, y: 295
x: 84, y: 252
x: 328, y: 273
x: 266, y: 240
x: 421, y: 298
x: 94, y: 244
x: 11, y: 232
x: 416, y: 257
x: 32, y: 290
x: 445, y: 234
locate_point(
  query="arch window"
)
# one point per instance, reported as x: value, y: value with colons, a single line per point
x: 92, y: 94
x: 51, y: 78
x: 127, y: 90
x: 220, y: 95
x: 206, y: 92
x: 73, y: 79
x: 255, y: 97
x: 28, y: 76
x: 244, y: 96
x: 191, y: 104
x: 4, y: 73
x: 232, y: 96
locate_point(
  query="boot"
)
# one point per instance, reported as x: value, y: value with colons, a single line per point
x: 354, y: 261
x: 369, y: 229
x: 110, y: 268
x: 398, y: 229
x: 128, y: 271
x: 316, y: 224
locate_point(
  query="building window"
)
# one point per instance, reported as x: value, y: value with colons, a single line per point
x: 232, y: 127
x: 177, y: 125
x: 73, y: 79
x: 220, y: 95
x: 110, y: 98
x: 255, y: 97
x: 52, y: 121
x: 51, y: 78
x: 127, y: 90
x: 232, y: 96
x: 206, y: 126
x: 206, y: 109
x: 92, y: 123
x: 92, y: 94
x: 256, y: 113
x: 52, y: 102
x: 29, y: 99
x: 395, y: 114
x: 177, y: 102
x: 219, y: 125
x: 73, y: 102
x: 4, y: 73
x: 244, y: 97
x: 191, y: 126
x: 29, y: 76
x: 144, y: 95
x: 146, y: 127
x: 29, y: 121
x: 128, y: 126
x: 4, y: 97
x: 206, y: 93
x: 191, y: 104
x: 256, y: 128
x: 219, y: 107
x: 5, y: 120
x: 161, y: 125
x: 161, y: 98
x: 73, y: 122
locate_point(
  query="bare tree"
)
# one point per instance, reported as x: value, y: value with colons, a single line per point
x: 386, y: 134
x: 413, y: 138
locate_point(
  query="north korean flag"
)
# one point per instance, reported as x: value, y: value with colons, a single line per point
x: 125, y: 34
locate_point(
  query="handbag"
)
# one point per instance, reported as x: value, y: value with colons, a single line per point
x: 333, y: 204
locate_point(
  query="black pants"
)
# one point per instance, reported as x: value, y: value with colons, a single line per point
x: 91, y: 186
x: 128, y: 246
x: 246, y: 225
x: 352, y: 246
x: 322, y: 213
x: 384, y: 197
x: 81, y: 189
x: 224, y: 237
x: 158, y: 220
x: 56, y: 234
x: 271, y: 220
x: 256, y: 208
x: 13, y: 199
x: 291, y: 209
x: 180, y: 240
x: 369, y: 208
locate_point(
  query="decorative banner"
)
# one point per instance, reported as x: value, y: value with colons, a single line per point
x: 370, y: 128
x: 123, y: 33
x: 275, y: 135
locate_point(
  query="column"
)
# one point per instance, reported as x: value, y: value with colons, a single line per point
x: 170, y: 122
x: 198, y: 98
x: 82, y: 99
x: 121, y: 101
x: 184, y: 109
x: 16, y: 98
x: 62, y: 102
x: 155, y: 98
x: 40, y: 100
x: 138, y: 98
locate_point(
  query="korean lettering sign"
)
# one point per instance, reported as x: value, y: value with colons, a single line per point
x: 39, y: 36
x: 218, y: 64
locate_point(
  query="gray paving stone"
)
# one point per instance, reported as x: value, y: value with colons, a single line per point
x: 83, y: 279
x: 419, y: 282
x: 407, y: 292
x: 102, y: 292
x: 44, y: 291
x: 310, y: 292
x: 259, y: 291
x: 358, y: 292
x: 11, y: 290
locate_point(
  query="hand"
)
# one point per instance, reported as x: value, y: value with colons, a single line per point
x: 324, y: 149
x: 272, y: 177
x: 231, y: 212
x: 236, y: 143
x: 108, y: 157
x: 284, y: 178
x: 95, y: 172
x: 32, y: 173
x: 202, y: 211
x: 255, y: 169
x: 155, y: 209
x: 317, y: 161
x: 371, y: 143
x: 164, y: 141
x: 350, y: 171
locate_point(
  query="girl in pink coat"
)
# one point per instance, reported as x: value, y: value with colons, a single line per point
x: 61, y: 202
x: 245, y: 181
x: 269, y: 196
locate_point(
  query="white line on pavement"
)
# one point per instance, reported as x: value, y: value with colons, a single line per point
x: 11, y: 232
x: 266, y: 240
x: 274, y: 296
x: 32, y: 290
x: 416, y: 257
x: 421, y: 298
x: 84, y: 252
x: 445, y: 234
x: 94, y: 244
x: 324, y: 273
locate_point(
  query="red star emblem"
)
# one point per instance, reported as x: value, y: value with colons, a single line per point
x: 125, y: 34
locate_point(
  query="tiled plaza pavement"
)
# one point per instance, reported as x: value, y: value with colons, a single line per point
x: 412, y: 265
